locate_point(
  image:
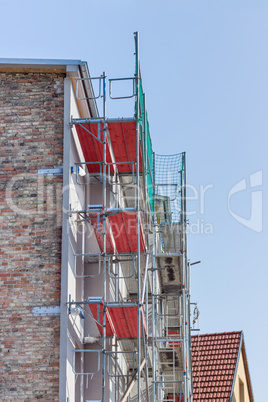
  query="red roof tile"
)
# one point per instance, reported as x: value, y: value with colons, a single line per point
x: 214, y: 358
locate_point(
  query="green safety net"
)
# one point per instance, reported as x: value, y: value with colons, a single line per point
x: 169, y: 184
x: 144, y: 125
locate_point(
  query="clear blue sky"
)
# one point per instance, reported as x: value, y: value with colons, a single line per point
x: 205, y: 73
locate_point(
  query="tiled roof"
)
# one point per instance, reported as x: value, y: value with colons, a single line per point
x: 214, y: 358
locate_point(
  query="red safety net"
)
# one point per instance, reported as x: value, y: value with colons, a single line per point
x: 98, y: 233
x: 91, y: 147
x: 124, y: 229
x: 122, y: 139
x: 121, y: 321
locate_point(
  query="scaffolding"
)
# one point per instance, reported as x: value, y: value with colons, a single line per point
x: 170, y: 290
x: 134, y: 268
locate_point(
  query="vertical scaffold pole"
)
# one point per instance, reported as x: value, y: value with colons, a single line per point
x: 138, y: 206
x: 189, y: 365
x: 188, y: 329
x: 184, y: 258
x: 153, y: 291
x: 147, y: 356
x: 155, y: 392
x: 104, y: 238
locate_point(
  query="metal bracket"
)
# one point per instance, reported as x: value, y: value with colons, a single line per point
x: 47, y: 310
x: 51, y: 171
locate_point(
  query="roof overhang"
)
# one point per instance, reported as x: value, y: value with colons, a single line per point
x: 54, y: 64
x: 75, y: 69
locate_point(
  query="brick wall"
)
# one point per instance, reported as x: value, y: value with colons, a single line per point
x: 31, y: 138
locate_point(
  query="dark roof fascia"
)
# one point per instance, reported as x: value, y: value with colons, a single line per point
x: 88, y: 88
x: 250, y: 390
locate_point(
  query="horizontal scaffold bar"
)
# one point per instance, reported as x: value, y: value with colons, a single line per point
x: 170, y: 339
x: 169, y: 255
x: 109, y: 211
x: 162, y: 295
x: 168, y: 382
x: 127, y: 304
x: 108, y: 304
x: 101, y: 120
x: 99, y: 300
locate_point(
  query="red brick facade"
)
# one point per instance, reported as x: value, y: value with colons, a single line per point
x: 31, y: 138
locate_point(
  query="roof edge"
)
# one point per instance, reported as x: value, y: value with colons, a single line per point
x: 250, y: 389
x: 236, y: 366
x: 44, y: 63
x: 216, y: 333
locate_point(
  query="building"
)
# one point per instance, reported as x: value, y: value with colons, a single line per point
x: 95, y: 299
x: 220, y: 368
